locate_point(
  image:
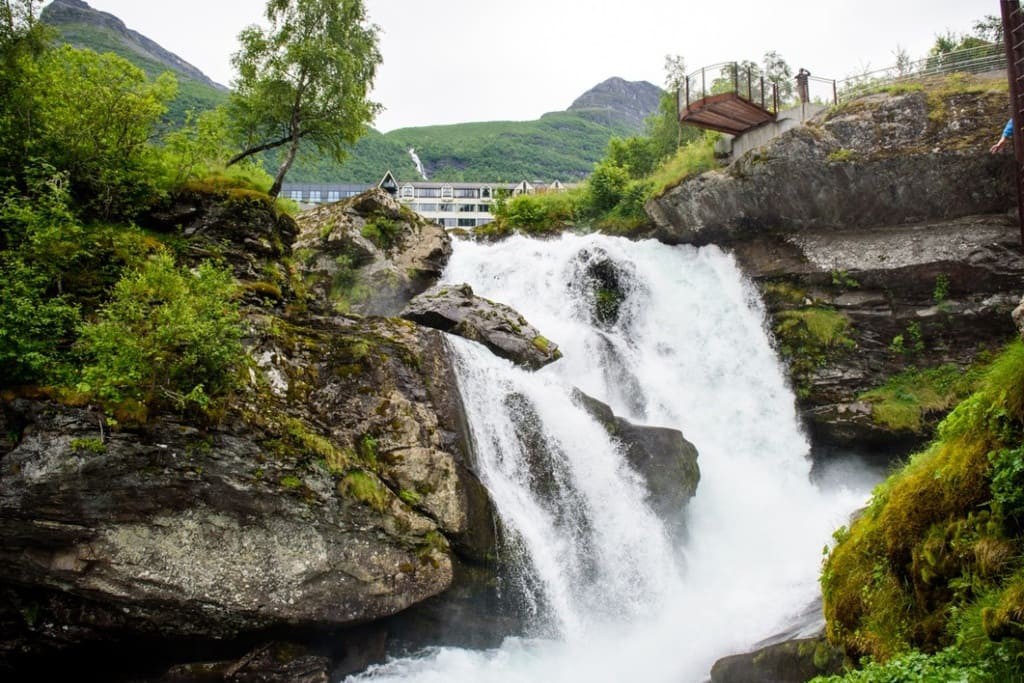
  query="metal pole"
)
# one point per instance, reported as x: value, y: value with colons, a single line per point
x: 835, y: 93
x: 762, y: 92
x: 750, y: 94
x: 736, y: 78
x: 1011, y: 20
x: 703, y: 84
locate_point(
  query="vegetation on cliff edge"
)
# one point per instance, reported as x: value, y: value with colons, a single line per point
x: 934, y: 564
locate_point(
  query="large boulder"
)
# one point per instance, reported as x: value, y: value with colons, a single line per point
x: 457, y: 310
x: 336, y: 490
x: 882, y: 160
x: 793, y: 661
x: 369, y: 254
x: 661, y: 455
x: 243, y: 229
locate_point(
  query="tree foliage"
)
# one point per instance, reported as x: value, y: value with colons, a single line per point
x: 305, y: 78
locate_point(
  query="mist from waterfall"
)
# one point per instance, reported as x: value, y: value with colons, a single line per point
x: 613, y: 594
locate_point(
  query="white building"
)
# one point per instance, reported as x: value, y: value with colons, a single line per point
x: 451, y: 204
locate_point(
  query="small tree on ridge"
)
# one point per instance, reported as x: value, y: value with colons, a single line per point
x: 307, y: 77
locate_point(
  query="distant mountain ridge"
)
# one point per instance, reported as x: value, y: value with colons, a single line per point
x: 558, y: 146
x: 627, y: 102
x: 66, y: 14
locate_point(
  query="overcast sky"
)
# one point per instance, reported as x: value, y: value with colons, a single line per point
x: 449, y: 61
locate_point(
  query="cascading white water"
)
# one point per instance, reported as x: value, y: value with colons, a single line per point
x: 615, y: 596
x: 419, y: 164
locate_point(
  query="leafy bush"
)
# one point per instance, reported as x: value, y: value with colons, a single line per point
x: 167, y: 337
x: 35, y: 325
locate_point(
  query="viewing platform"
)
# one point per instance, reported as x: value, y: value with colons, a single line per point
x: 727, y: 98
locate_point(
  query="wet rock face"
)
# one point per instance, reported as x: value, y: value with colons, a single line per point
x: 369, y: 255
x: 455, y: 309
x: 605, y: 285
x: 334, y: 492
x: 793, y: 661
x: 880, y: 238
x: 883, y: 160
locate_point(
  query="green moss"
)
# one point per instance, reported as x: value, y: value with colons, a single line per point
x: 366, y: 488
x: 410, y: 497
x: 267, y: 290
x: 89, y: 445
x: 542, y: 344
x: 842, y: 155
x: 902, y: 403
x: 303, y: 441
x: 809, y: 337
x: 290, y: 482
x: 934, y: 553
x: 781, y: 293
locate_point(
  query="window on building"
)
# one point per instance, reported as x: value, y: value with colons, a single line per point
x: 295, y: 195
x: 450, y: 208
x: 333, y: 195
x: 447, y: 192
x: 466, y: 208
x: 483, y: 208
x: 466, y: 193
x: 428, y: 192
x: 408, y: 192
x: 485, y: 193
x: 467, y: 223
x: 314, y: 196
x: 449, y: 222
x: 424, y: 207
x: 483, y: 221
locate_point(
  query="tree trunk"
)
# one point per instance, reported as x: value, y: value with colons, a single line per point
x: 289, y: 158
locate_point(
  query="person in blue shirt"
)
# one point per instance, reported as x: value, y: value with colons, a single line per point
x: 1007, y: 134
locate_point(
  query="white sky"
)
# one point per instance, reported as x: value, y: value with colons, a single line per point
x: 450, y: 61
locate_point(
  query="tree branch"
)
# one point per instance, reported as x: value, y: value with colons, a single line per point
x: 263, y: 148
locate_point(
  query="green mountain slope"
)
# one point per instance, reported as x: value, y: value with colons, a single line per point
x: 80, y: 25
x: 558, y: 146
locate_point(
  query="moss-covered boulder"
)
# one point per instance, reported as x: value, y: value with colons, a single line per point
x: 241, y: 228
x: 334, y: 489
x: 369, y: 254
x: 457, y: 310
x: 793, y: 661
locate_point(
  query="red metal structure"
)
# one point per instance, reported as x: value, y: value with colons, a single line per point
x: 733, y: 102
x: 1013, y: 37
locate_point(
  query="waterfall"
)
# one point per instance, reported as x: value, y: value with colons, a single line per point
x: 419, y: 164
x: 667, y: 336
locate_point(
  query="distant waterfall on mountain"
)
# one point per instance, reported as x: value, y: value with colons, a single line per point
x: 614, y: 592
x: 419, y: 164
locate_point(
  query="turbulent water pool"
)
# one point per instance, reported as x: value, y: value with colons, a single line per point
x: 613, y: 592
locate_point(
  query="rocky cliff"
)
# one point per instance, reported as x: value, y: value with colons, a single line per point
x: 617, y: 100
x: 883, y: 237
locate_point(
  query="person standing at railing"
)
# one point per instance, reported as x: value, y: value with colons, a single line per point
x: 801, y: 85
x: 1007, y: 134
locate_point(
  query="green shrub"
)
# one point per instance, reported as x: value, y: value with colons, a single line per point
x: 36, y: 325
x: 167, y: 337
x: 384, y: 232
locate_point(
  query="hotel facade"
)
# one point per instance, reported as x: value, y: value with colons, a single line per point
x: 451, y: 204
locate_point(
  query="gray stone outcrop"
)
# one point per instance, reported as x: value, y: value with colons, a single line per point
x: 457, y: 310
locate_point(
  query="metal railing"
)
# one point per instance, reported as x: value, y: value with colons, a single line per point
x: 973, y: 60
x: 747, y: 82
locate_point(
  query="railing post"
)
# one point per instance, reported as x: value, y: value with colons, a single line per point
x: 736, y: 78
x: 762, y: 92
x: 775, y: 98
x: 703, y: 84
x: 750, y: 92
x: 835, y: 93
